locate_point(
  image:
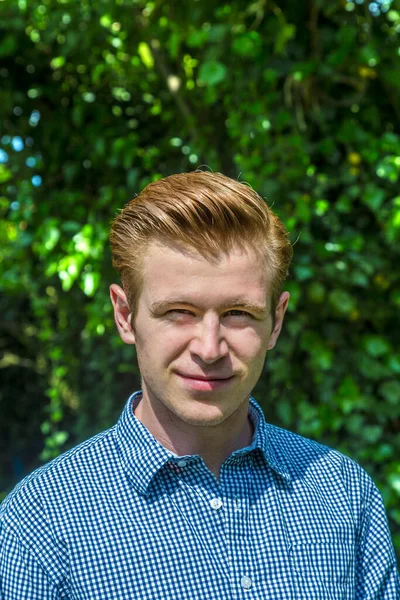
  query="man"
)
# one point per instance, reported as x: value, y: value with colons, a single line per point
x: 192, y: 495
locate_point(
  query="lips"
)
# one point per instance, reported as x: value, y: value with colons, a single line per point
x: 205, y: 378
x: 201, y: 384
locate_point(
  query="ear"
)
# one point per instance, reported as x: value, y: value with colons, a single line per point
x: 279, y: 316
x: 122, y: 314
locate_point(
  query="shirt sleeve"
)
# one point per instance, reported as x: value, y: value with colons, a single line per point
x: 21, y: 576
x: 376, y: 570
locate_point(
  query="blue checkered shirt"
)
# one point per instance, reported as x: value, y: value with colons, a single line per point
x: 120, y: 517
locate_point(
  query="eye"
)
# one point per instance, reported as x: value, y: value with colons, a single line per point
x: 179, y: 311
x: 238, y: 313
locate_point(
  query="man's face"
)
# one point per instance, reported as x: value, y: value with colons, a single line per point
x: 201, y: 330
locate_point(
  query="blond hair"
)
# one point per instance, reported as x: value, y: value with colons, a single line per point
x: 202, y: 211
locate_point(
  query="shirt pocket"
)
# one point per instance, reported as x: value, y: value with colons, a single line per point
x: 331, y: 561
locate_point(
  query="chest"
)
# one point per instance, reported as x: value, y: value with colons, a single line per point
x: 252, y: 537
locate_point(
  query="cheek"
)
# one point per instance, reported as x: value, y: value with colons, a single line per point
x: 249, y: 344
x: 170, y: 343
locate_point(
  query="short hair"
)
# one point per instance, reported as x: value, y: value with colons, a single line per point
x: 202, y: 211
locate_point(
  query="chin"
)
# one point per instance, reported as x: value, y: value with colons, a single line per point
x: 204, y: 416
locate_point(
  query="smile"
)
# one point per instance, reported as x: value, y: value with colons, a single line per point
x: 204, y: 384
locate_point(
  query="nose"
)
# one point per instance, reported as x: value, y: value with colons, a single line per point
x: 209, y: 343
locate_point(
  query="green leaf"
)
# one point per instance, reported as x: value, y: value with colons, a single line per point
x: 394, y: 362
x: 394, y: 480
x: 174, y: 43
x: 212, y: 72
x: 371, y: 433
x: 217, y: 33
x: 106, y: 20
x: 348, y: 395
x: 56, y: 415
x: 373, y: 197
x: 47, y: 237
x: 57, y: 62
x: 285, y: 412
x: 270, y: 75
x: 197, y: 38
x: 390, y: 390
x: 5, y: 174
x: 316, y: 292
x: 146, y: 55
x: 247, y: 45
x: 90, y: 282
x: 376, y: 345
x: 285, y: 33
x: 8, y: 45
x: 371, y: 368
x: 45, y: 427
x: 342, y: 301
x: 69, y: 268
x: 60, y: 437
x: 389, y: 168
x: 304, y: 272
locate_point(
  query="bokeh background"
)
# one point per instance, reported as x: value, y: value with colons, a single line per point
x: 299, y: 99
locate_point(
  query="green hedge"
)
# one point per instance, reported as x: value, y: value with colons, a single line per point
x: 301, y: 100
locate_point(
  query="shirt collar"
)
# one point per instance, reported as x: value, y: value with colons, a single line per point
x: 143, y: 456
x: 265, y: 439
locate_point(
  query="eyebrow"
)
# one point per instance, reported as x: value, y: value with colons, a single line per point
x: 234, y: 304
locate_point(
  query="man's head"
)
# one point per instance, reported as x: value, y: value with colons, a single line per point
x: 202, y: 260
x: 201, y: 211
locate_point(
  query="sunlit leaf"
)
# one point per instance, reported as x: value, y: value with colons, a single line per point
x: 57, y: 62
x: 146, y: 55
x: 90, y: 282
x: 5, y: 174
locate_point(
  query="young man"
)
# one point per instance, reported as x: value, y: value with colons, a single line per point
x: 192, y: 495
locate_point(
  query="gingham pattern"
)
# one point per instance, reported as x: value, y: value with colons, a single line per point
x: 120, y: 517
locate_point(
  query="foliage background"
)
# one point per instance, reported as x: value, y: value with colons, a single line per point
x: 301, y: 100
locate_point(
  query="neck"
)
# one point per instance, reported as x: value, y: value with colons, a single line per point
x: 213, y: 443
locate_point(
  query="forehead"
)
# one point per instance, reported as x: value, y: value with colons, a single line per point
x: 170, y: 271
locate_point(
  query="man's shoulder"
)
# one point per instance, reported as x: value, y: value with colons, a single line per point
x: 296, y: 446
x: 306, y: 458
x: 62, y: 474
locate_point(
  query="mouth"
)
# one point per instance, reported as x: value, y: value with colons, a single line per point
x: 205, y: 378
x: 202, y: 383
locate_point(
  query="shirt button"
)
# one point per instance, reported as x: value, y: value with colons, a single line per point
x: 246, y: 582
x: 182, y: 463
x: 216, y: 503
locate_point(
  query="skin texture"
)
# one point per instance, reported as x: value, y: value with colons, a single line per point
x: 202, y: 331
